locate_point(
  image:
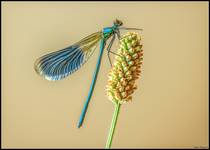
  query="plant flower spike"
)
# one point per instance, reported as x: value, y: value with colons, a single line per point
x: 126, y: 69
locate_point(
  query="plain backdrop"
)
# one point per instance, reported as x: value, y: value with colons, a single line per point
x: 169, y: 108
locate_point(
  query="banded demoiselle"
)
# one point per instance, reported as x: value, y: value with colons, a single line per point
x: 60, y: 64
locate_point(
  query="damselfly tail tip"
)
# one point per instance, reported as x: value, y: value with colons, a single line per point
x: 79, y: 125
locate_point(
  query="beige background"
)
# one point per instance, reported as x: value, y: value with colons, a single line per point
x: 169, y: 109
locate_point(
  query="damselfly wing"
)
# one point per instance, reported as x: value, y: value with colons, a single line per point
x: 59, y: 64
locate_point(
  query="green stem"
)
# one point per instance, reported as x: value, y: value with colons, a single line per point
x: 113, y: 125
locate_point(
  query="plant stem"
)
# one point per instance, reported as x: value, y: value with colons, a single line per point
x: 113, y: 125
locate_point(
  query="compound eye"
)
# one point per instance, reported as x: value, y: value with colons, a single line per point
x: 118, y: 22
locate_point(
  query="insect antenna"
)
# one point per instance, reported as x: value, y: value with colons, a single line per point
x: 125, y: 28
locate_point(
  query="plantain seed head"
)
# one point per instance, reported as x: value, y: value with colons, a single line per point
x: 126, y: 69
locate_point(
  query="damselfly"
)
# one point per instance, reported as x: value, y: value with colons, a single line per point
x: 60, y: 64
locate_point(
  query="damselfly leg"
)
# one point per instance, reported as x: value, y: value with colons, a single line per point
x: 109, y: 49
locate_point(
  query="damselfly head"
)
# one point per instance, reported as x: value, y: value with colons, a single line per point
x: 118, y: 23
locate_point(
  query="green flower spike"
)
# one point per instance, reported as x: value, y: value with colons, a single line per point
x: 126, y: 69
